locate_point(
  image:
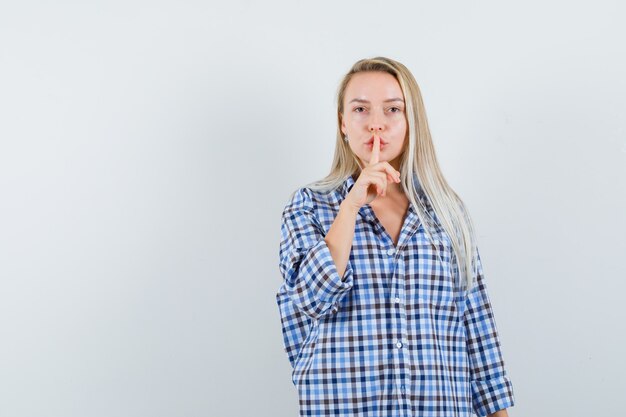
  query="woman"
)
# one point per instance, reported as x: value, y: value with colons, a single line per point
x: 378, y: 317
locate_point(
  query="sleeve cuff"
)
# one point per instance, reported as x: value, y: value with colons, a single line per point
x: 331, y: 287
x: 314, y: 285
x: 489, y: 396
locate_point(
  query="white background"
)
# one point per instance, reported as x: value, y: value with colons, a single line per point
x: 147, y: 149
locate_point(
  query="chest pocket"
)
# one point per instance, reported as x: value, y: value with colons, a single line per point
x: 435, y: 276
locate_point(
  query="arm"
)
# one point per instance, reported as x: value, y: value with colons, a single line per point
x: 315, y: 268
x: 312, y: 279
x: 501, y: 413
x: 340, y: 235
x: 492, y: 390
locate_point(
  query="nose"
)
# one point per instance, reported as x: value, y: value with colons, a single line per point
x: 375, y: 123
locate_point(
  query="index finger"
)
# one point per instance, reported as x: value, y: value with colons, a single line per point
x: 375, y: 150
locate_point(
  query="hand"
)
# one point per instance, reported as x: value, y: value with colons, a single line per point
x: 372, y: 180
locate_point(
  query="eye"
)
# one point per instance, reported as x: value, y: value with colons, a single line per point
x: 397, y: 108
x: 356, y: 108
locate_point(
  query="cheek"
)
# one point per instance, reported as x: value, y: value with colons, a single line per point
x: 355, y: 120
x: 400, y: 129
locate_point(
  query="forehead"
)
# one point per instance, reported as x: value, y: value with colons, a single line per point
x: 373, y: 86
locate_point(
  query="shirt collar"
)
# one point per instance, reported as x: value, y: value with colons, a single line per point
x: 411, y: 222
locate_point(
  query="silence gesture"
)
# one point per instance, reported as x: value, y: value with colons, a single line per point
x: 372, y: 181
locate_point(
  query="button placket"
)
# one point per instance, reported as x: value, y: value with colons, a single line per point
x: 398, y: 286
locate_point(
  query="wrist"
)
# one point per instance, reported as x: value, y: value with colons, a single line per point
x: 349, y: 208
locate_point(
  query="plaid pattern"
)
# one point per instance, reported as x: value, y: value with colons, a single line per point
x: 394, y: 336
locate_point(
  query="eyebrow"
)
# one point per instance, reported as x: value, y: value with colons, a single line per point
x: 360, y: 100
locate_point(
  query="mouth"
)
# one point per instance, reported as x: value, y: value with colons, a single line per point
x: 370, y: 142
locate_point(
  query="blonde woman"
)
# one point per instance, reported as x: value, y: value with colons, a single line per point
x: 383, y: 304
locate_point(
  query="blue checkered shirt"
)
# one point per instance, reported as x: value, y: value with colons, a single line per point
x: 393, y: 336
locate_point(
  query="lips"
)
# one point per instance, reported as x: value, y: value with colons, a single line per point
x: 371, y: 141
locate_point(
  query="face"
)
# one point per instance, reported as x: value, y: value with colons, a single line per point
x: 374, y: 102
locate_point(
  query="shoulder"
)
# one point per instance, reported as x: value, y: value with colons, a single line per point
x: 300, y: 198
x: 309, y: 199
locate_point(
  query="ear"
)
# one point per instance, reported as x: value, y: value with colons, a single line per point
x: 343, y: 125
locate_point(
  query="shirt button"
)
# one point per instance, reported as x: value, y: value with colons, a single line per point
x: 397, y: 299
x: 390, y: 251
x: 399, y: 344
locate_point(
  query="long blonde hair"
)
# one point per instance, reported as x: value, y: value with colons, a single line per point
x: 418, y: 160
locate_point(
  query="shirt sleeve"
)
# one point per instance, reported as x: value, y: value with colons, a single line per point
x: 492, y: 389
x: 311, y: 286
